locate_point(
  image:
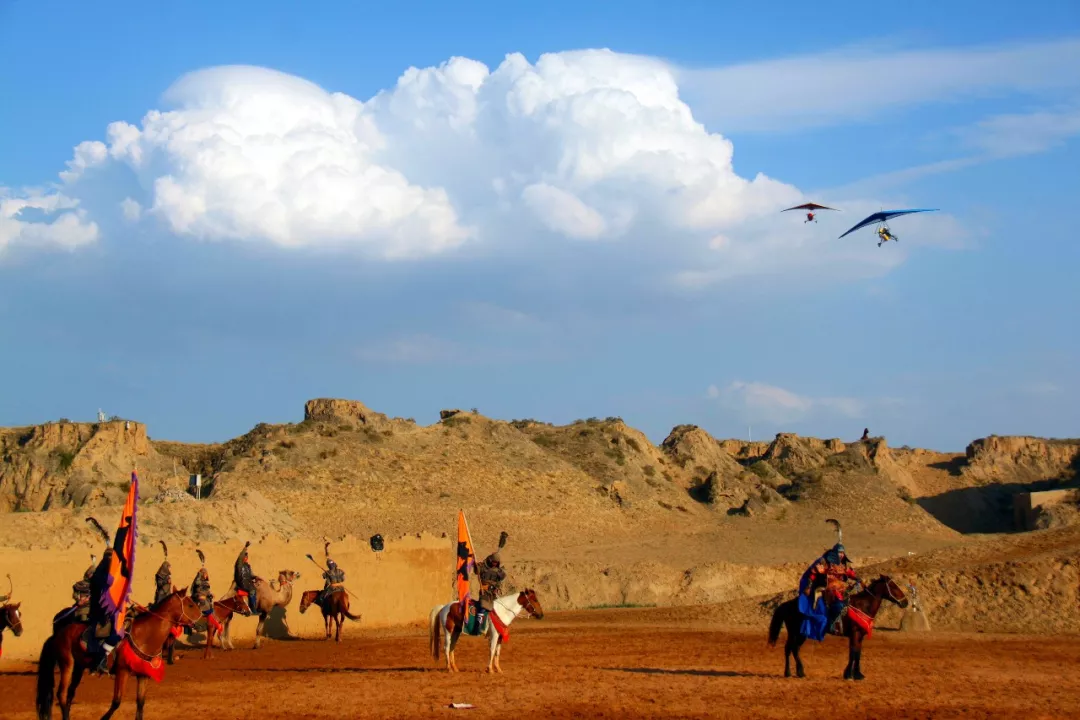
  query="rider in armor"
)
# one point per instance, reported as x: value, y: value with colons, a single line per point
x: 103, y: 622
x: 80, y: 592
x: 163, y: 577
x: 837, y: 573
x: 491, y: 576
x: 333, y: 577
x: 244, y: 578
x: 200, y: 590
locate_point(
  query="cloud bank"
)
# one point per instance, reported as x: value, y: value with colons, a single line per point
x: 586, y: 147
x: 760, y: 402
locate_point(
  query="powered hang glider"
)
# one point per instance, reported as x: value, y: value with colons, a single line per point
x: 880, y: 219
x: 809, y: 208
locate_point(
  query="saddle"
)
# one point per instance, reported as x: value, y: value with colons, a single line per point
x: 472, y: 624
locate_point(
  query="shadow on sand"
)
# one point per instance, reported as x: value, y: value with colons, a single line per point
x: 688, y: 671
x: 333, y: 670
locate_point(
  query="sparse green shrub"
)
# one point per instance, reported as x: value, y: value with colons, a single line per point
x: 649, y: 470
x: 66, y: 457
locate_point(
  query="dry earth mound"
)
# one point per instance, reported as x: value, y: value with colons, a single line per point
x: 65, y: 464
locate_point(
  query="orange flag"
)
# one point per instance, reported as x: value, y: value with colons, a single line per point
x: 122, y: 563
x: 466, y: 559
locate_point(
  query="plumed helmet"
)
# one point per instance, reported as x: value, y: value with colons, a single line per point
x: 330, y: 563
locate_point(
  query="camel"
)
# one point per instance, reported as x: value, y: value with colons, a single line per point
x: 268, y: 596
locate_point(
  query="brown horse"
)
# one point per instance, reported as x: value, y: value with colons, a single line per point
x: 867, y: 601
x: 135, y: 655
x: 223, y: 612
x: 10, y: 617
x: 335, y: 608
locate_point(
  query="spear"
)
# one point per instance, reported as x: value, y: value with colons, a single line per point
x: 308, y: 556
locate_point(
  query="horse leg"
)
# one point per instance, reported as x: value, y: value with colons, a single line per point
x: 339, y: 619
x: 498, y: 654
x: 799, y: 640
x: 76, y: 678
x: 453, y: 644
x: 118, y: 691
x: 326, y: 622
x: 259, y: 630
x: 493, y: 645
x: 856, y: 653
x: 65, y: 690
x: 140, y: 697
x: 851, y: 657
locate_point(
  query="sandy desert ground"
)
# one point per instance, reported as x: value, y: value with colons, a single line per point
x: 620, y: 663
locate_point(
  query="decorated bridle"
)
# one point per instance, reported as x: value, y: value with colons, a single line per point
x: 889, y: 589
x: 528, y: 604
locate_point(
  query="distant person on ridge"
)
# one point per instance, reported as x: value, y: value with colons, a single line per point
x: 244, y: 578
x: 163, y: 577
x: 333, y: 576
x: 491, y: 576
x: 865, y: 434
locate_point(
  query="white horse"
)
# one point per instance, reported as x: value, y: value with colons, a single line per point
x: 449, y: 618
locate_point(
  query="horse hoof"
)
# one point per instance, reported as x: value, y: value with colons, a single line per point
x: 787, y: 673
x: 860, y: 676
x: 800, y: 674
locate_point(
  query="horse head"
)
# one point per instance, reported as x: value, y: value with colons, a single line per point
x: 887, y: 589
x: 527, y: 599
x: 188, y: 613
x: 307, y: 598
x: 13, y: 618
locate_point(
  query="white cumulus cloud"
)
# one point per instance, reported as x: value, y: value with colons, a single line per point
x: 579, y: 146
x: 761, y: 402
x: 69, y: 229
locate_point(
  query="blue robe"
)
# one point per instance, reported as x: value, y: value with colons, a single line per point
x: 815, y: 622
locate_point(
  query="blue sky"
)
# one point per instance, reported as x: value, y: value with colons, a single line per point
x: 208, y: 216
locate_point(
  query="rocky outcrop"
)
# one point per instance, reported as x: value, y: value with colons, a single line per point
x: 1021, y: 459
x: 347, y: 411
x: 792, y: 454
x: 718, y: 479
x: 68, y: 464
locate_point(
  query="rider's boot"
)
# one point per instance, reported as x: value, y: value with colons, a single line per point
x: 103, y: 664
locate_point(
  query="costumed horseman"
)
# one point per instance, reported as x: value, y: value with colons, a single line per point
x: 244, y: 578
x: 333, y: 577
x: 491, y: 576
x: 163, y: 577
x: 823, y: 614
x: 201, y: 594
x: 103, y: 622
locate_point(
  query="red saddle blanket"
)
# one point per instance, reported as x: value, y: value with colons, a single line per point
x: 861, y: 619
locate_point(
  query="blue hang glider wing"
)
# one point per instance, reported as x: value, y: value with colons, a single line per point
x: 883, y: 216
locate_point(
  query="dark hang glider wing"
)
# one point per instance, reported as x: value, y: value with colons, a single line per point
x: 808, y: 206
x: 883, y: 216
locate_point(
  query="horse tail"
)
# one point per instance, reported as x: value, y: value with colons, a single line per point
x: 776, y: 623
x: 45, y: 680
x: 433, y: 630
x: 344, y: 607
